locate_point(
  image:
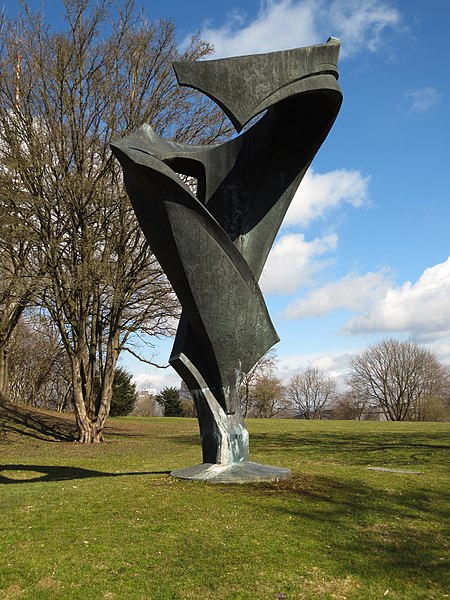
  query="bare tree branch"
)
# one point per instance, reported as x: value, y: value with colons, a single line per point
x: 145, y: 360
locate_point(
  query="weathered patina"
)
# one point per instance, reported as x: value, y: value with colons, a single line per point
x: 213, y: 242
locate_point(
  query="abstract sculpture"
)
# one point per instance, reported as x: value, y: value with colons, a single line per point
x: 213, y: 243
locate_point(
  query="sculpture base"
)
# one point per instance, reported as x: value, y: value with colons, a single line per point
x: 241, y: 472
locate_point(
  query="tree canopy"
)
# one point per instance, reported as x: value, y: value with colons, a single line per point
x: 65, y: 92
x: 170, y: 400
x: 124, y: 393
x: 310, y: 392
x: 399, y: 377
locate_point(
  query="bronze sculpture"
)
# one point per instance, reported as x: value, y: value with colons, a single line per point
x: 213, y: 244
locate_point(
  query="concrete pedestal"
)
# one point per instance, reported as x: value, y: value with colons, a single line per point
x: 241, y: 472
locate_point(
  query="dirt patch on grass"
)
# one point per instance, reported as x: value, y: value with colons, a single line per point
x: 48, y: 584
x: 11, y: 593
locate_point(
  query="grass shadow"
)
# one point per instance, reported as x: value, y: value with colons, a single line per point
x: 360, y: 447
x: 403, y: 532
x: 36, y: 424
x: 52, y: 473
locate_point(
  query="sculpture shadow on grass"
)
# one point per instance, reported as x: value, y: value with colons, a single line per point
x: 41, y: 473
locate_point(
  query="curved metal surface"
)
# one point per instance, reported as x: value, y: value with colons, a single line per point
x: 213, y: 244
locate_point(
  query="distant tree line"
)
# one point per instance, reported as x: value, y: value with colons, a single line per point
x: 308, y: 394
x: 392, y: 380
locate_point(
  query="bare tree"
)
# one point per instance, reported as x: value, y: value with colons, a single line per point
x: 16, y: 282
x: 264, y: 368
x: 146, y: 405
x: 309, y: 392
x: 347, y: 405
x: 434, y: 405
x: 108, y: 72
x: 261, y: 391
x: 267, y: 397
x: 398, y: 377
x: 14, y: 296
x: 435, y: 409
x: 39, y: 367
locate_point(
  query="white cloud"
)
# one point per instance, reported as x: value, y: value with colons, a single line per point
x: 293, y: 260
x: 282, y: 24
x: 423, y: 99
x: 319, y: 192
x: 296, y: 21
x: 422, y: 309
x: 157, y: 379
x: 353, y: 292
x: 333, y: 365
x: 442, y: 350
x: 360, y: 23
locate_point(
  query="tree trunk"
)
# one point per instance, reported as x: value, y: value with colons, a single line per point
x: 91, y: 416
x: 88, y: 432
x: 88, y: 429
x: 103, y: 404
x: 4, y: 382
x: 246, y: 397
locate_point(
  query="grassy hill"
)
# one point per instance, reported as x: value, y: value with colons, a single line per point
x: 108, y: 522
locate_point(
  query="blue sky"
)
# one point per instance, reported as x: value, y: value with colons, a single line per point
x: 364, y: 251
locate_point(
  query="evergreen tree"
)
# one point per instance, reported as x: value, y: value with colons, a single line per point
x: 124, y: 394
x: 169, y: 399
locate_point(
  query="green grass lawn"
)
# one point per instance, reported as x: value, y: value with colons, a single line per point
x: 107, y: 521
